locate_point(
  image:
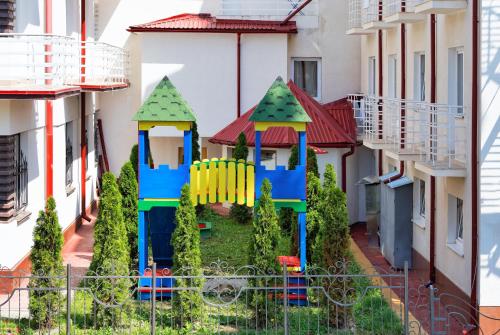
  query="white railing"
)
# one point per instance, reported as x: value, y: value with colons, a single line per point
x: 277, y: 9
x: 104, y: 64
x: 391, y: 7
x: 371, y: 11
x: 43, y: 60
x: 37, y: 60
x: 354, y: 15
x: 436, y: 133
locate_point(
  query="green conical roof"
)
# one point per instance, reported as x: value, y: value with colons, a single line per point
x: 165, y: 104
x: 279, y: 105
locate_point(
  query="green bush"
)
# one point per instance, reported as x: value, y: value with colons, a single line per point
x: 313, y: 218
x: 134, y: 159
x: 241, y: 213
x: 110, y: 254
x: 263, y: 250
x: 127, y: 184
x: 188, y: 305
x: 46, y: 259
x: 332, y: 242
x: 195, y: 143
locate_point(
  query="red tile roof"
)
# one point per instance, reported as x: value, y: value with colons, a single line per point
x: 209, y: 24
x: 327, y: 129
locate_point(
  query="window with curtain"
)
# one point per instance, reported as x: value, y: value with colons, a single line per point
x: 306, y: 74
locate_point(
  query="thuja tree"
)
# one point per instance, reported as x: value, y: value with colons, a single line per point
x: 195, y: 146
x: 331, y: 249
x: 110, y: 255
x: 314, y: 218
x: 241, y: 213
x: 134, y: 159
x: 47, y: 264
x: 188, y: 305
x: 263, y: 249
x: 127, y: 184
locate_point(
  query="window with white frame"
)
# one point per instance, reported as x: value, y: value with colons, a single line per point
x: 392, y: 76
x: 69, y: 153
x: 456, y: 79
x: 20, y: 175
x: 372, y: 68
x: 419, y: 77
x: 306, y: 73
x: 455, y: 224
x: 419, y: 202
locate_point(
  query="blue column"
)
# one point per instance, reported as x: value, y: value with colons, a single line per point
x: 142, y: 242
x: 188, y: 147
x: 302, y: 148
x: 257, y: 148
x: 143, y: 147
x: 302, y: 240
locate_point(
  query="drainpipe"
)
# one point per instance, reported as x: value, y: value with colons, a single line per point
x: 295, y: 12
x: 344, y: 167
x: 432, y: 246
x: 49, y: 106
x: 83, y: 142
x: 474, y: 156
x: 238, y: 75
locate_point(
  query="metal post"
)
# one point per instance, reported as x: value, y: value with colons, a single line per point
x: 153, y: 300
x: 285, y: 297
x: 407, y: 314
x: 431, y: 309
x: 68, y: 299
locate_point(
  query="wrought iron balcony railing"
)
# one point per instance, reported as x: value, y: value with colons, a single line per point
x: 31, y: 62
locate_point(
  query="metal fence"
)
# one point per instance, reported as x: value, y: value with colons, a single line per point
x: 339, y: 300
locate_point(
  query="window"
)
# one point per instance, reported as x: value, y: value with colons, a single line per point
x: 96, y: 143
x: 455, y: 224
x: 419, y: 202
x: 69, y: 154
x: 306, y: 73
x: 419, y: 77
x: 393, y: 73
x: 21, y: 176
x: 456, y: 79
x: 372, y: 68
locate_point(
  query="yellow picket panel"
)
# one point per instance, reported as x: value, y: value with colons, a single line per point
x: 193, y: 182
x: 250, y: 185
x: 203, y: 183
x: 212, y: 181
x: 222, y: 180
x: 241, y: 182
x: 231, y: 181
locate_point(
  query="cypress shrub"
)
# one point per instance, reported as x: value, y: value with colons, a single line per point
x: 134, y: 159
x: 263, y: 250
x: 46, y: 259
x: 332, y: 242
x: 111, y: 254
x: 127, y: 184
x: 241, y: 213
x: 313, y: 218
x: 188, y: 305
x: 195, y: 143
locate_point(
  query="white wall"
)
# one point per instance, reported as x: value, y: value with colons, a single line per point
x: 489, y: 228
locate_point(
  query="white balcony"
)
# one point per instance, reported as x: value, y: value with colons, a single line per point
x: 439, y: 6
x: 401, y: 11
x: 354, y: 24
x: 432, y: 135
x: 275, y: 10
x: 50, y: 66
x: 371, y: 16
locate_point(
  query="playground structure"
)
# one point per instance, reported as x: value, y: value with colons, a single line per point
x: 215, y: 180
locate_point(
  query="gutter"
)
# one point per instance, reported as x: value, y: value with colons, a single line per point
x: 49, y: 107
x: 380, y: 94
x: 344, y: 167
x: 432, y: 219
x: 238, y: 74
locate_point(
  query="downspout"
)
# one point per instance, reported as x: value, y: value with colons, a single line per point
x: 344, y: 166
x: 380, y: 94
x: 403, y: 108
x: 49, y: 106
x: 474, y: 156
x: 238, y: 75
x: 295, y: 12
x: 83, y: 142
x: 432, y: 219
